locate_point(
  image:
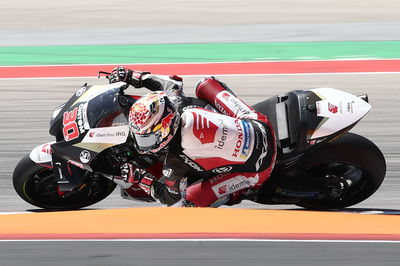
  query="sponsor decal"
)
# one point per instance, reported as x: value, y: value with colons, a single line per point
x: 167, y: 172
x: 163, y: 144
x: 214, y: 179
x: 234, y: 104
x: 80, y: 91
x: 204, y: 129
x: 225, y: 95
x: 233, y: 185
x: 222, y: 190
x: 107, y: 134
x: 41, y: 153
x: 165, y: 125
x: 166, y: 121
x: 170, y: 190
x: 246, y: 142
x: 46, y: 148
x: 75, y: 163
x: 191, y: 163
x: 332, y: 108
x: 80, y: 119
x: 239, y: 141
x: 240, y: 106
x: 350, y: 107
x: 85, y: 156
x: 221, y: 170
x: 224, y: 135
x: 220, y: 108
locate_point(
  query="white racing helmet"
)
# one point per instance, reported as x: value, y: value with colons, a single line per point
x: 153, y: 121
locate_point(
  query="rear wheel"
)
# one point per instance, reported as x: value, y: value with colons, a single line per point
x: 37, y: 185
x: 353, y: 158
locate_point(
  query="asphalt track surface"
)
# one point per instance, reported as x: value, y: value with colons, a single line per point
x: 198, y: 253
x: 26, y: 106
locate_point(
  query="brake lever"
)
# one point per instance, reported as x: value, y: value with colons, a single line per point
x: 103, y: 72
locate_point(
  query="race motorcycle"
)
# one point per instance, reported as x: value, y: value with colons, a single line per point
x: 320, y: 165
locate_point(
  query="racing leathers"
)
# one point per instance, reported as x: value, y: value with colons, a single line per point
x: 215, y: 157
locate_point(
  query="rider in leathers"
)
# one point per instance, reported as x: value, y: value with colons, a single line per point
x: 231, y: 153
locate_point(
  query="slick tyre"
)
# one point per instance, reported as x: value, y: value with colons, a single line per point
x: 37, y: 185
x: 353, y: 157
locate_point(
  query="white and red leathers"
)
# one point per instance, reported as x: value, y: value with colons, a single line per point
x: 228, y: 153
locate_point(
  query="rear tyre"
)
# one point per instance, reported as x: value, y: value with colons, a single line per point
x: 355, y: 158
x: 37, y: 185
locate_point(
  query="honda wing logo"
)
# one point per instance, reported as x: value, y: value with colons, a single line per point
x: 332, y: 108
x: 204, y: 129
x: 221, y: 170
x: 225, y: 95
x: 222, y: 190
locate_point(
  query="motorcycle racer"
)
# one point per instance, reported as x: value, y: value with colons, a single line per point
x: 228, y: 153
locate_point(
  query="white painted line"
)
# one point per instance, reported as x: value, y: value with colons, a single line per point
x: 7, y: 213
x: 205, y: 240
x: 229, y: 75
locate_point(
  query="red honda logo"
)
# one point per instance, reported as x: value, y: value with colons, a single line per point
x: 204, y: 129
x: 332, y: 108
x: 225, y: 96
x: 222, y: 190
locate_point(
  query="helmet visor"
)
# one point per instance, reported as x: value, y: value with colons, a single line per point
x: 147, y: 142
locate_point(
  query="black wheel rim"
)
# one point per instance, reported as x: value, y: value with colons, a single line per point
x: 42, y: 185
x: 42, y: 190
x: 355, y: 176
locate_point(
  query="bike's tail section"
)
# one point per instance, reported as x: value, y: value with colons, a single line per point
x: 302, y: 119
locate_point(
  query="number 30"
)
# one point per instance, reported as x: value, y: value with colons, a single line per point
x: 70, y: 129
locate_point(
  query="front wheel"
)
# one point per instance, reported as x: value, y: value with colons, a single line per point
x: 355, y: 159
x: 38, y: 186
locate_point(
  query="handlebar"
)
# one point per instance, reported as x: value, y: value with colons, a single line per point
x: 103, y: 72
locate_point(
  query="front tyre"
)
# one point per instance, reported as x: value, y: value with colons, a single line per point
x: 352, y: 157
x: 37, y: 185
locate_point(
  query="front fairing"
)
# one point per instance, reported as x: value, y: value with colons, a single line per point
x: 85, y: 94
x: 90, y: 122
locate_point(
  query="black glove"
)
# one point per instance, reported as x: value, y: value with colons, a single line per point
x: 144, y: 179
x: 133, y: 78
x: 138, y: 176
